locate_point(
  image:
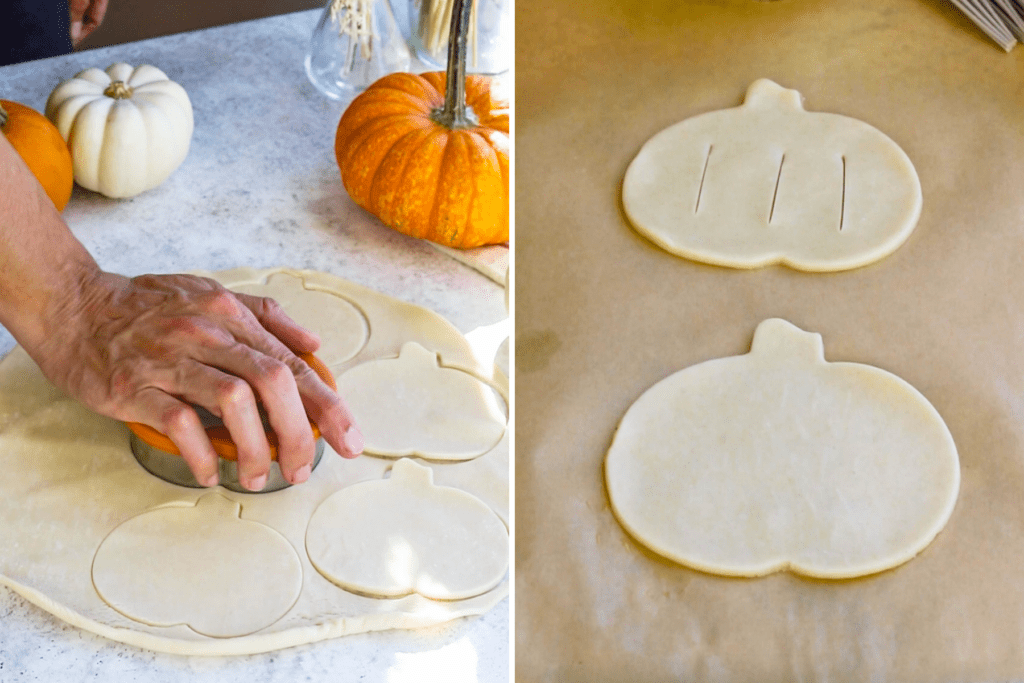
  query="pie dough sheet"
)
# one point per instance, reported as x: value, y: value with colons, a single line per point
x: 779, y: 460
x: 768, y: 182
x: 602, y: 314
x: 70, y: 480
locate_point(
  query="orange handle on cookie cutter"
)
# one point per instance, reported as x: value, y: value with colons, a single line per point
x: 221, y: 439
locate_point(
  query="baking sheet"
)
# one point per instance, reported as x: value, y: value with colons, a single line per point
x: 602, y: 314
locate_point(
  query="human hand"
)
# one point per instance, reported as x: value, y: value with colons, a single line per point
x: 142, y: 349
x: 86, y: 17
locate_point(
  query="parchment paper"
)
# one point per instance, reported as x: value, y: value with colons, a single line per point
x: 602, y: 314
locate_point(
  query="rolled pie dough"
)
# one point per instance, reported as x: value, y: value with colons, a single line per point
x: 779, y: 460
x: 212, y: 572
x: 768, y: 182
x: 342, y: 328
x: 413, y: 405
x: 405, y: 535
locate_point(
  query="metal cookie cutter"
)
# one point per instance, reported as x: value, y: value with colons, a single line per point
x: 160, y: 457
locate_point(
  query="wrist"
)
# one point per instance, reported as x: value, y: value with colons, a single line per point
x: 55, y: 309
x: 44, y: 269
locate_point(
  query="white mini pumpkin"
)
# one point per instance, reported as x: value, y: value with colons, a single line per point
x: 127, y: 128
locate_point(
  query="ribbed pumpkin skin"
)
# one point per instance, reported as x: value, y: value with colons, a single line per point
x: 46, y: 154
x: 422, y: 178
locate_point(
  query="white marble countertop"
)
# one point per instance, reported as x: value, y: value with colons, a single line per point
x: 260, y: 187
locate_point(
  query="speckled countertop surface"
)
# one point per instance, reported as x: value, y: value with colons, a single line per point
x: 259, y: 188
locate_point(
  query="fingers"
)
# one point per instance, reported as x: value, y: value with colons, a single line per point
x: 77, y: 9
x: 242, y: 418
x: 330, y: 413
x: 323, y: 405
x: 182, y: 426
x: 275, y: 385
x: 232, y: 399
x: 97, y: 12
x: 274, y: 320
x: 86, y: 17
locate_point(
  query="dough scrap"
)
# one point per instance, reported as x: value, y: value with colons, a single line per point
x: 403, y: 535
x: 200, y: 565
x: 341, y: 326
x: 491, y: 261
x: 778, y: 460
x: 768, y: 182
x: 413, y: 405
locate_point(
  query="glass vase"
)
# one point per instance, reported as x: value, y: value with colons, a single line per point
x: 355, y: 43
x: 489, y: 47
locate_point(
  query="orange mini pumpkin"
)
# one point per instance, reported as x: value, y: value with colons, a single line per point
x: 413, y: 154
x: 39, y: 143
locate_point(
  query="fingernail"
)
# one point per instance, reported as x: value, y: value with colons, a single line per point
x: 257, y: 484
x: 76, y: 29
x: 211, y: 480
x: 353, y: 441
x: 302, y: 474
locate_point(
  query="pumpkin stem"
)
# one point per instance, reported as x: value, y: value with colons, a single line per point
x: 3, y: 116
x: 455, y: 113
x: 119, y: 90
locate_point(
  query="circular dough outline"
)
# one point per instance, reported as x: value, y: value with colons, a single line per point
x: 183, y: 563
x: 392, y: 537
x: 429, y: 405
x: 344, y: 315
x: 777, y: 459
x: 770, y: 183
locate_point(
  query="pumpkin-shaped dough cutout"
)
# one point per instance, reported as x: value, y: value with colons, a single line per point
x: 778, y: 460
x: 200, y: 565
x: 413, y: 405
x: 402, y: 535
x: 769, y: 182
x: 342, y: 327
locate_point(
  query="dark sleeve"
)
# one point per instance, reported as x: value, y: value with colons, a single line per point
x: 34, y: 29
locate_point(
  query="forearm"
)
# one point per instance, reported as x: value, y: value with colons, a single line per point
x: 43, y: 267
